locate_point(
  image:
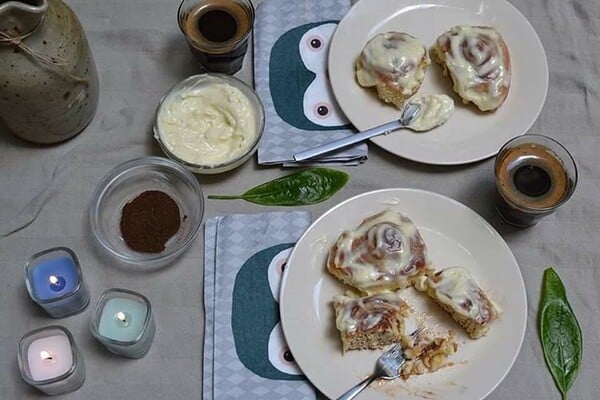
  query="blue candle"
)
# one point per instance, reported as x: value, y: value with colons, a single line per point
x: 123, y: 322
x: 53, y: 277
x: 54, y: 281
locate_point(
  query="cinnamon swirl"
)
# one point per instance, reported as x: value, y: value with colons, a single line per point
x: 385, y: 252
x: 478, y: 62
x: 455, y: 290
x: 394, y: 63
x: 370, y: 322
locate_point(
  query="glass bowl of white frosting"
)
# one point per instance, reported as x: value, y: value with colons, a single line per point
x: 210, y: 123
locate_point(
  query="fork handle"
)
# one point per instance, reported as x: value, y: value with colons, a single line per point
x: 353, y: 392
x: 347, y: 141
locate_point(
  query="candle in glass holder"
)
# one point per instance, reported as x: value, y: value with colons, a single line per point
x: 123, y: 322
x: 54, y: 281
x: 49, y: 360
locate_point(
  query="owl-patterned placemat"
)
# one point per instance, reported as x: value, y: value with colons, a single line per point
x: 245, y: 353
x: 291, y: 43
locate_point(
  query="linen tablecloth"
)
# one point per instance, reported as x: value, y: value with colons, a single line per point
x: 140, y: 53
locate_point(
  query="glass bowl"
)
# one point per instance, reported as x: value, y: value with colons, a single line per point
x: 198, y: 81
x: 126, y: 182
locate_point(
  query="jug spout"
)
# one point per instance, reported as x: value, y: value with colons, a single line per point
x: 20, y: 18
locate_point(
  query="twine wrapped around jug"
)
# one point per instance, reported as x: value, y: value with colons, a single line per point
x: 42, y: 58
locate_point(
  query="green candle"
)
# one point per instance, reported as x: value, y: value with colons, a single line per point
x: 123, y: 322
x: 123, y: 319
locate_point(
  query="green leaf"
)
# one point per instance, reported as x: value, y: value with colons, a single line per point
x: 560, y: 333
x: 309, y: 186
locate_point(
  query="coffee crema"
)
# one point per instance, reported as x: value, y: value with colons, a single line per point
x: 216, y: 24
x: 532, y: 176
x: 217, y: 32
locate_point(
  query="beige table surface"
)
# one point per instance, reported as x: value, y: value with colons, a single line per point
x: 140, y: 53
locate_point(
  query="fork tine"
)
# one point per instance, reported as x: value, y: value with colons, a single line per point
x: 417, y: 331
x: 393, y: 351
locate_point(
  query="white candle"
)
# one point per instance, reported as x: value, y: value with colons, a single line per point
x: 49, y: 357
x: 50, y: 361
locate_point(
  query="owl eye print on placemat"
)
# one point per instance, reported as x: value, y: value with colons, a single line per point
x: 299, y: 80
x: 291, y: 50
x: 257, y: 333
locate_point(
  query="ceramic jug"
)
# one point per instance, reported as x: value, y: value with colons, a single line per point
x: 48, y: 78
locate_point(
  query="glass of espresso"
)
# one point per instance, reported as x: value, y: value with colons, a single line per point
x: 534, y: 176
x: 217, y: 31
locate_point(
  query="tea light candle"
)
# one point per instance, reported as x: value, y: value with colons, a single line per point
x: 49, y: 360
x: 54, y: 281
x: 123, y: 322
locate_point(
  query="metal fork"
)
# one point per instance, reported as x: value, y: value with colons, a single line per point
x: 408, y: 114
x: 387, y: 367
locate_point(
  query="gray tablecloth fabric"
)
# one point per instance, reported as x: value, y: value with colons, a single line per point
x: 140, y: 53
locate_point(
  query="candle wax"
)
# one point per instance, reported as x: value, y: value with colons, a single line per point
x: 54, y: 277
x: 122, y: 319
x: 49, y: 357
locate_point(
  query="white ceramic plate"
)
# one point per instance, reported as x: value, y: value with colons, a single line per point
x: 469, y: 135
x: 455, y: 235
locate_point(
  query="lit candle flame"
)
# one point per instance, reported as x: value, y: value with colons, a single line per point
x: 44, y: 355
x: 53, y: 280
x: 121, y: 316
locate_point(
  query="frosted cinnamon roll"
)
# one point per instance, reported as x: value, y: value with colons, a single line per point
x: 455, y: 290
x: 370, y: 322
x: 394, y: 63
x: 477, y: 60
x: 385, y: 252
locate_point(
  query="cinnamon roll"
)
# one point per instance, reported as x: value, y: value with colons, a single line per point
x: 478, y: 62
x: 394, y: 63
x: 370, y: 322
x: 455, y: 290
x: 385, y: 252
x: 427, y: 352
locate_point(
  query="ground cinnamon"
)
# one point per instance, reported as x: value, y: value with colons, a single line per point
x: 149, y: 221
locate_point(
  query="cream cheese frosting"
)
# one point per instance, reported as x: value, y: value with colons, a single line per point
x: 207, y: 125
x: 384, y: 252
x: 456, y: 288
x: 435, y: 110
x: 366, y: 313
x: 393, y: 59
x: 478, y: 61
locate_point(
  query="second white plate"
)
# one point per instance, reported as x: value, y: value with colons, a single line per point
x: 455, y: 235
x: 469, y: 135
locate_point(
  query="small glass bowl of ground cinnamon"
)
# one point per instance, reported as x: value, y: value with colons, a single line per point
x: 146, y: 212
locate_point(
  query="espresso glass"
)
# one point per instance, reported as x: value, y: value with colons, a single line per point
x: 217, y: 32
x: 522, y: 209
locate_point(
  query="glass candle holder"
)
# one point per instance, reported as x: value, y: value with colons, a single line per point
x: 122, y: 321
x: 54, y: 281
x: 50, y: 361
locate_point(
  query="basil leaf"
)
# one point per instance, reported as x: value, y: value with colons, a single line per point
x: 560, y: 334
x: 309, y: 186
